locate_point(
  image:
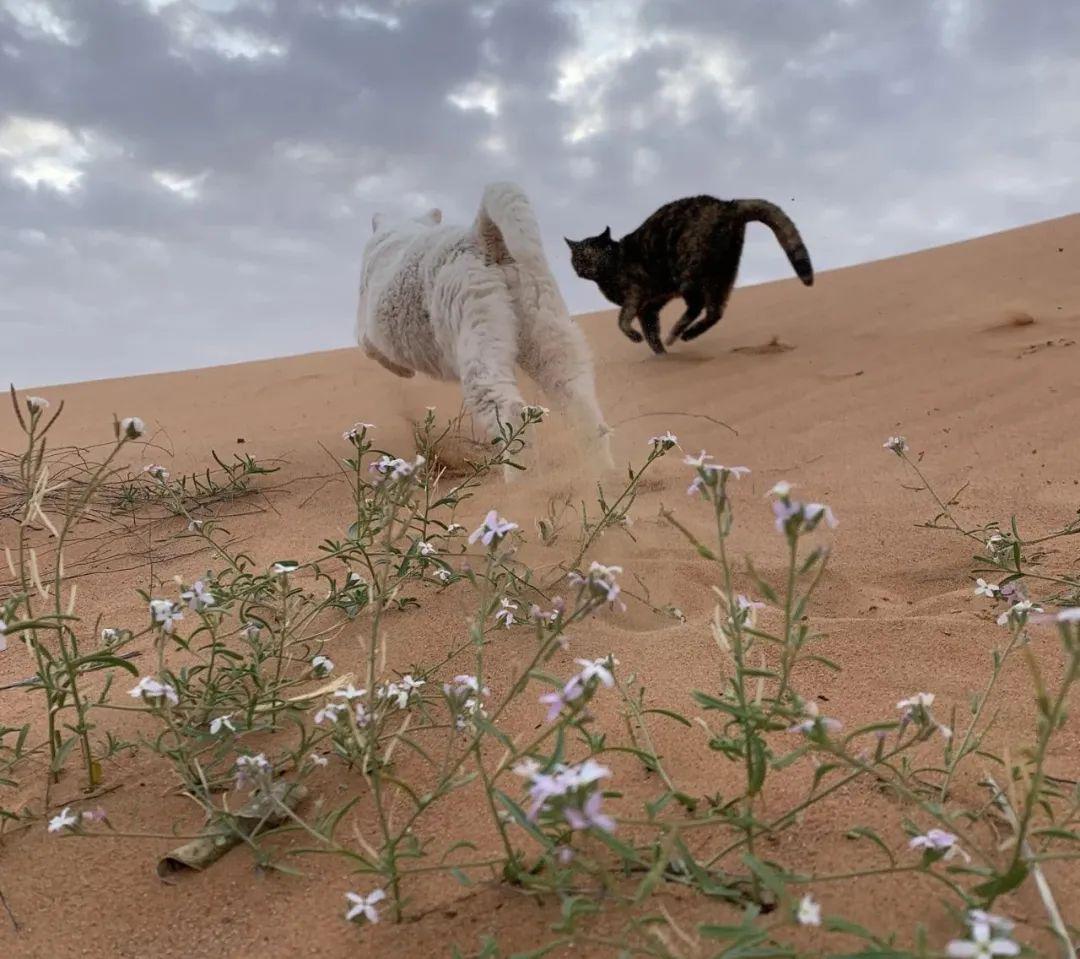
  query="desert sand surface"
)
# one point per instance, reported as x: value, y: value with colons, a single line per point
x: 971, y: 351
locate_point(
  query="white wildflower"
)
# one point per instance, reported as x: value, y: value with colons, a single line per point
x: 219, y: 723
x: 493, y: 528
x: 809, y: 912
x: 364, y: 905
x: 65, y: 820
x: 131, y: 427
x: 149, y: 688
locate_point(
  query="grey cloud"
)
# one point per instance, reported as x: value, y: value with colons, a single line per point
x: 881, y: 126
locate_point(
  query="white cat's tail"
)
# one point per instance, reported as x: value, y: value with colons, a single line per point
x: 507, y: 230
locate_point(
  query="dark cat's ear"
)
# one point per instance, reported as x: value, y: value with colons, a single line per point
x: 570, y: 243
x: 606, y: 235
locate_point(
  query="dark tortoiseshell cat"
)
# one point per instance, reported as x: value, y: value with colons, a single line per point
x: 688, y: 248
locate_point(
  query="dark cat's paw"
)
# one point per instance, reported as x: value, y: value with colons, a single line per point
x: 633, y: 336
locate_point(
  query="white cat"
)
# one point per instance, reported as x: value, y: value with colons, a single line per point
x: 470, y: 303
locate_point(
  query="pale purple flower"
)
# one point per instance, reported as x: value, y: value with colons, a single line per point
x: 251, y: 630
x: 221, y: 722
x: 808, y: 912
x: 911, y: 706
x: 443, y: 575
x: 982, y: 945
x: 149, y: 688
x: 157, y: 472
x: 198, y: 597
x: 555, y: 701
x: 65, y: 820
x: 400, y: 690
x: 322, y: 665
x: 897, y: 444
x: 491, y: 529
x: 37, y: 404
x: 195, y: 525
x: 330, y: 712
x: 505, y: 612
x: 665, y: 440
x: 938, y: 840
x: 782, y: 489
x: 425, y: 548
x: 396, y: 468
x: 165, y: 613
x: 350, y: 692
x: 601, y: 580
x: 355, y: 430
x: 1070, y: 615
x: 364, y: 905
x: 814, y: 722
x: 251, y: 768
x: 598, y: 669
x: 316, y: 760
x: 1018, y: 613
x: 983, y: 588
x: 589, y: 815
x: 793, y: 517
x: 997, y: 923
x: 3, y: 641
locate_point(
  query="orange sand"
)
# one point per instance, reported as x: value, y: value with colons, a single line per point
x: 969, y: 350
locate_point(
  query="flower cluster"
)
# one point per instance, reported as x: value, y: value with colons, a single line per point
x: 989, y: 938
x: 579, y: 687
x: 322, y: 665
x: 505, y: 613
x: 600, y: 582
x: 570, y: 793
x: 897, y: 444
x: 466, y: 698
x: 198, y: 596
x: 156, y: 472
x: 130, y: 428
x: 1017, y: 614
x: 793, y: 518
x: 664, y: 441
x: 165, y: 614
x: 710, y: 475
x: 916, y: 709
x: 356, y: 431
x: 251, y: 770
x: 813, y: 723
x: 401, y: 691
x: 68, y: 820
x: 395, y: 468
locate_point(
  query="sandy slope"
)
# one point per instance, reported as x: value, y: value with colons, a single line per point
x: 924, y: 345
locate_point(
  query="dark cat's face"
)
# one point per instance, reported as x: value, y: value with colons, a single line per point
x: 593, y: 256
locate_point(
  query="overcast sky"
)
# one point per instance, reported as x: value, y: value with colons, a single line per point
x: 190, y: 182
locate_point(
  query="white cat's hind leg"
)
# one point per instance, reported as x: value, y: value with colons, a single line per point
x: 555, y: 353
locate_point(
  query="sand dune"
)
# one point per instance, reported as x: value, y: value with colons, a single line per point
x: 969, y: 350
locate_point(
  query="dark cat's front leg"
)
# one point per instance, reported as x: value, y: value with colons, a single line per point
x: 626, y: 318
x: 650, y: 326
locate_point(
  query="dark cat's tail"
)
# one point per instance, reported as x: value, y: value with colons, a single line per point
x: 762, y: 211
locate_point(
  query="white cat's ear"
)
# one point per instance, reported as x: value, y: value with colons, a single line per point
x: 433, y: 216
x: 377, y: 221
